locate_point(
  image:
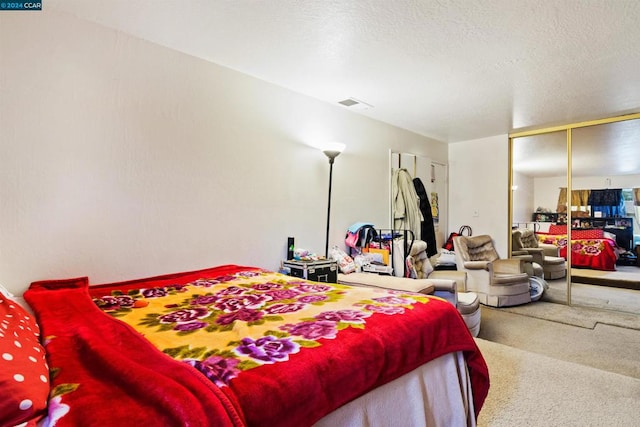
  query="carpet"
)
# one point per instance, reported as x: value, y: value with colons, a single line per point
x: 529, y: 389
x: 576, y: 316
x: 625, y: 277
x: 606, y: 347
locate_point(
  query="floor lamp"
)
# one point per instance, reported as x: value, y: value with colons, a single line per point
x: 331, y: 152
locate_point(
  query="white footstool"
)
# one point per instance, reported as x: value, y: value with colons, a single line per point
x: 467, y: 303
x: 424, y: 286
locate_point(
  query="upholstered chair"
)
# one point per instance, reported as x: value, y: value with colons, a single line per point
x: 498, y: 282
x: 525, y: 242
x: 532, y: 258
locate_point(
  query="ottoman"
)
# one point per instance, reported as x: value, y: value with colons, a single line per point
x: 424, y: 286
x: 446, y: 285
x: 554, y: 267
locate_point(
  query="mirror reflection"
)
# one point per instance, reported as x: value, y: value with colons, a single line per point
x: 596, y: 204
x: 539, y: 172
x: 605, y: 170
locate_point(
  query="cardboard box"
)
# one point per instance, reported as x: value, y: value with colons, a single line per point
x: 318, y: 271
x: 383, y: 252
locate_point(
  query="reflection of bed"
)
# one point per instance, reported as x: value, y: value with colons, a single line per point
x: 276, y: 350
x: 589, y: 248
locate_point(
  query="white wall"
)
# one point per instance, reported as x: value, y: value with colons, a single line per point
x: 547, y: 189
x: 478, y: 183
x: 123, y: 159
x: 523, y: 198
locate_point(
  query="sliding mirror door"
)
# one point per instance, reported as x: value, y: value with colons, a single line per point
x: 605, y: 170
x: 591, y: 198
x: 539, y: 203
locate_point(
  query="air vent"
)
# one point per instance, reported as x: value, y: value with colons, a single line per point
x: 355, y: 104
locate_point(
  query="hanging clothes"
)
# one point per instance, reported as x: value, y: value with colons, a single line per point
x: 406, y: 210
x: 610, y: 202
x: 579, y: 199
x: 427, y: 230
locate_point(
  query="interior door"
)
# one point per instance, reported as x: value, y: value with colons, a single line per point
x: 434, y: 177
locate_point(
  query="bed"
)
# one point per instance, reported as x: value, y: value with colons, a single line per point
x: 594, y: 248
x: 235, y: 346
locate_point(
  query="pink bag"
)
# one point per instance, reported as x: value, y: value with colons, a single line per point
x: 351, y: 240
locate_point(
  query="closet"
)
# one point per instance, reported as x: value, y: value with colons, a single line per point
x: 599, y: 156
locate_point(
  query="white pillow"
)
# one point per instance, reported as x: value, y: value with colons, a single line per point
x: 4, y: 291
x: 446, y: 257
x: 19, y: 300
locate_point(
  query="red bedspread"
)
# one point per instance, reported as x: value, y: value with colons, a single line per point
x: 274, y: 350
x: 597, y: 254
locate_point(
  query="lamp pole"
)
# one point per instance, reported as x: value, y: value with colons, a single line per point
x: 331, y: 154
x: 326, y: 246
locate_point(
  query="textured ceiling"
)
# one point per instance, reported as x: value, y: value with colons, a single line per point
x: 601, y: 150
x: 452, y: 70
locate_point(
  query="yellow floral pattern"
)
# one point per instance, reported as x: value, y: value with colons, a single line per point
x: 228, y: 324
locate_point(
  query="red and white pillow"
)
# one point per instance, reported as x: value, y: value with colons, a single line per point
x: 24, y: 374
x: 595, y: 233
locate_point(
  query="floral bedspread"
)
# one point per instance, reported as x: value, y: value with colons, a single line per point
x: 276, y: 350
x: 598, y: 254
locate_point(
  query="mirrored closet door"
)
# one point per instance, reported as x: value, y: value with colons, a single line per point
x: 591, y: 202
x: 539, y: 203
x: 605, y: 170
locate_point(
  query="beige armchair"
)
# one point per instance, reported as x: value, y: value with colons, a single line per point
x: 525, y: 242
x: 498, y: 282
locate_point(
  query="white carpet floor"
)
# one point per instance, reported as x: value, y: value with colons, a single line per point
x: 529, y: 389
x: 555, y: 365
x: 628, y: 273
x: 596, y: 338
x: 594, y: 296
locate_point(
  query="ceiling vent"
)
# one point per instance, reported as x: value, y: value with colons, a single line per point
x: 355, y: 104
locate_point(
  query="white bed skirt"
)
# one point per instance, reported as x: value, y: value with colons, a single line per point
x: 435, y: 394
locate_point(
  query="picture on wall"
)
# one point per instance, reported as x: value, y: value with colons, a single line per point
x: 434, y: 206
